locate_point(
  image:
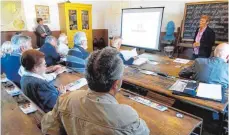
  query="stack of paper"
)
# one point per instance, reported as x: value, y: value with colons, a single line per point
x: 183, y: 61
x: 129, y: 54
x: 77, y: 84
x: 210, y: 91
x: 140, y: 61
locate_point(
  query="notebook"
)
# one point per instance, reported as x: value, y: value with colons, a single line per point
x: 210, y: 91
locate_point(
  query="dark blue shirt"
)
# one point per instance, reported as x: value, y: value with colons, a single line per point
x: 40, y: 92
x: 51, y: 55
x: 10, y: 64
x: 126, y: 62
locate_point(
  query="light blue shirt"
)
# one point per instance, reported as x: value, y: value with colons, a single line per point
x: 212, y: 70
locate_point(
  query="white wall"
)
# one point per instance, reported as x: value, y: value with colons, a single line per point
x: 173, y: 11
x: 98, y: 10
x: 107, y: 14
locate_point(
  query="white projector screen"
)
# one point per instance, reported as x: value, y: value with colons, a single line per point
x: 141, y: 27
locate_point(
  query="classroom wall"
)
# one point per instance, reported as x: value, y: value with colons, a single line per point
x: 98, y: 10
x: 174, y: 11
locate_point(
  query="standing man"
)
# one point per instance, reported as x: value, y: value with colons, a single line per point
x: 204, y: 39
x: 42, y: 31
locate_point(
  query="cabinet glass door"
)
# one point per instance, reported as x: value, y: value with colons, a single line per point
x: 73, y: 24
x: 85, y: 19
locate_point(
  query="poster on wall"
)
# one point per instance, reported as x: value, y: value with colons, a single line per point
x: 12, y: 16
x: 43, y: 12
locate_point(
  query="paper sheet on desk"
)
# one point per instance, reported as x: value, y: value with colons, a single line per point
x: 77, y: 84
x: 140, y: 61
x: 183, y: 61
x: 210, y: 91
x: 129, y: 54
x: 179, y: 85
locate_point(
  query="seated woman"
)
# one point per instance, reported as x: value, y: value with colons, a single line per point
x: 34, y: 85
x: 50, y: 51
x: 63, y: 45
x: 116, y: 43
x: 77, y: 56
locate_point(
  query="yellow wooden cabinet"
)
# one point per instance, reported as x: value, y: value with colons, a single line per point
x: 76, y: 17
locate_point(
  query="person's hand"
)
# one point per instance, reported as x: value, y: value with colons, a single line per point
x: 43, y: 34
x: 53, y: 68
x: 60, y: 70
x: 136, y: 57
x: 196, y: 44
x: 62, y: 89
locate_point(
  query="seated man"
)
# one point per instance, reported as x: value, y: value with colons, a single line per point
x: 211, y: 70
x: 96, y: 111
x: 50, y: 51
x: 11, y: 62
x: 77, y: 56
x: 116, y: 43
x: 34, y: 85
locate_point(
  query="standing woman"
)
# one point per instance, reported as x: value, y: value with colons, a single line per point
x: 204, y: 39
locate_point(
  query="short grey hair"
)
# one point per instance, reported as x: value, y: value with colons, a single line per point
x: 21, y: 42
x: 103, y: 68
x: 222, y: 50
x: 6, y: 48
x: 79, y: 37
x: 49, y: 39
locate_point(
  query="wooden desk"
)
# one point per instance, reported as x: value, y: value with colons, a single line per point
x: 159, y: 123
x: 160, y: 85
x: 14, y: 121
x: 165, y: 65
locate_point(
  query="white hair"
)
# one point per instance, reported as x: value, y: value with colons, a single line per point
x: 22, y: 41
x: 116, y: 41
x: 79, y: 37
x: 49, y: 39
x: 62, y: 38
x: 6, y: 48
x: 222, y: 50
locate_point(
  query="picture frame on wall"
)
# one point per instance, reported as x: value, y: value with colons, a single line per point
x: 43, y: 12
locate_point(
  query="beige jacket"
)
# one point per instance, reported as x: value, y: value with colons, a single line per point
x: 90, y: 113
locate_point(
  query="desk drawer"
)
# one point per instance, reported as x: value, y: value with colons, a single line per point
x: 160, y: 98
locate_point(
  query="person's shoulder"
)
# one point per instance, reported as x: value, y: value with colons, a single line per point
x: 129, y: 111
x: 32, y: 79
x: 201, y: 61
x: 70, y: 98
x: 210, y: 29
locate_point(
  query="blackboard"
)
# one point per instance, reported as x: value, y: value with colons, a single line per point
x: 218, y: 12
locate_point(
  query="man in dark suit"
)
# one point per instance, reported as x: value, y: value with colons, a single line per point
x: 204, y: 39
x: 42, y: 31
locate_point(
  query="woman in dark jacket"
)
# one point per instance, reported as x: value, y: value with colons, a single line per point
x: 204, y: 39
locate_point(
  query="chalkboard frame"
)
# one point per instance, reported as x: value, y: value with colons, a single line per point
x: 197, y: 3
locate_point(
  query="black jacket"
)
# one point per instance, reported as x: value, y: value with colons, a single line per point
x: 206, y: 42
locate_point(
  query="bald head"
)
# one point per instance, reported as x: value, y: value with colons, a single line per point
x: 222, y: 51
